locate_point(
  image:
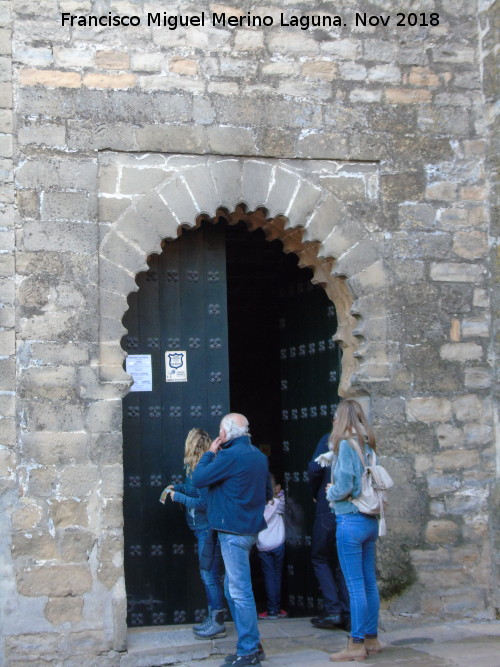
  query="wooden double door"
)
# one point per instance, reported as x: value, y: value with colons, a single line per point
x: 223, y: 321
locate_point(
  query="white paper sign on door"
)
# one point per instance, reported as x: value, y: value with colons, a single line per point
x: 175, y: 366
x: 139, y: 367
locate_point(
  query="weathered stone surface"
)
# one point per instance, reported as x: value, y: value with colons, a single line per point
x: 54, y: 580
x: 67, y: 609
x: 429, y: 409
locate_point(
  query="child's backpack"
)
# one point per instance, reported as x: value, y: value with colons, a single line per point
x: 374, y: 485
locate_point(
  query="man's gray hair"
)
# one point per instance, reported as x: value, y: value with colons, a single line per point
x: 232, y: 428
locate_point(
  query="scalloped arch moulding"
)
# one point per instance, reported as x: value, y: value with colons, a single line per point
x: 326, y: 212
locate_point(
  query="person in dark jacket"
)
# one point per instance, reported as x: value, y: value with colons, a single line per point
x: 236, y: 474
x: 324, y: 556
x: 195, y: 502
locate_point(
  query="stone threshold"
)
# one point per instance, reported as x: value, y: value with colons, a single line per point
x: 172, y: 644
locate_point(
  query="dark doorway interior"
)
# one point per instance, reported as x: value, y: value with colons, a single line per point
x: 283, y: 369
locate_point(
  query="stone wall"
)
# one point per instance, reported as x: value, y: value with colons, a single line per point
x: 388, y: 131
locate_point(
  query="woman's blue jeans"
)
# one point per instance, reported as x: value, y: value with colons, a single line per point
x: 211, y: 578
x: 356, y: 543
x: 272, y: 567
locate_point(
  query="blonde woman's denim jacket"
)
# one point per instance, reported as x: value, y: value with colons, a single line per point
x: 347, y: 473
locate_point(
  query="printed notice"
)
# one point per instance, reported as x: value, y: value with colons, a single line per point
x: 175, y: 366
x: 139, y: 367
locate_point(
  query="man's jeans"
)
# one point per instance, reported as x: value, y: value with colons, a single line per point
x: 212, y: 578
x: 238, y: 589
x: 356, y: 542
x: 272, y: 567
x: 326, y: 565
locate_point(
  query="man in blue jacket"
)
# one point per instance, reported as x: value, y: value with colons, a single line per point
x: 236, y: 474
x: 324, y: 556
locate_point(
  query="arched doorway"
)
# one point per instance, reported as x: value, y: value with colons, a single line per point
x: 240, y: 308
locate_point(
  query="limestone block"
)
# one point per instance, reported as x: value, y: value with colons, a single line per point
x: 179, y: 200
x: 147, y: 62
x: 461, y: 352
x: 69, y: 512
x: 255, y: 183
x: 320, y: 69
x: 7, y: 317
x: 28, y: 203
x: 303, y: 204
x: 442, y: 484
x: 112, y: 60
x: 327, y: 215
x: 468, y: 408
x: 7, y: 462
x: 78, y: 481
x: 55, y: 448
x: 7, y: 343
x: 47, y: 382
x: 111, y: 208
x: 241, y: 139
x: 49, y: 78
x: 471, y: 245
x: 200, y: 183
x: 136, y: 230
x: 442, y: 191
x: 416, y: 216
x: 90, y: 384
x: 33, y: 547
x: 476, y: 326
x: 171, y: 138
x: 115, y: 278
x: 477, y: 377
x: 432, y: 409
x: 54, y: 580
x: 112, y: 481
x: 7, y: 291
x: 43, y: 481
x: 59, y: 236
x: 227, y: 176
x: 28, y: 516
x: 64, y: 610
x: 316, y: 145
x: 87, y: 642
x: 46, y: 354
x: 478, y: 434
x: 110, y: 331
x: 26, y: 649
x: 423, y: 76
x: 75, y: 545
x: 139, y: 181
x: 112, y: 515
x: 104, y: 416
x: 365, y: 253
x: 408, y: 96
x: 110, y: 552
x: 113, y: 81
x: 68, y: 206
x: 292, y: 44
x: 6, y: 116
x: 64, y: 57
x: 248, y: 40
x: 455, y: 458
x: 345, y: 49
x: 45, y: 416
x: 449, y: 436
x: 118, y: 250
x: 7, y: 405
x: 481, y: 299
x: 402, y: 186
x: 467, y: 500
x: 42, y: 134
x: 283, y: 187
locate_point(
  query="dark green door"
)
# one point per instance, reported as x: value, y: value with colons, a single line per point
x: 310, y: 373
x: 180, y: 309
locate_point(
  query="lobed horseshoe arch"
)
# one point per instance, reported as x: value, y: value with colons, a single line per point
x: 160, y: 194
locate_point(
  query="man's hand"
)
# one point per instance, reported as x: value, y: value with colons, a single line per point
x: 215, y: 446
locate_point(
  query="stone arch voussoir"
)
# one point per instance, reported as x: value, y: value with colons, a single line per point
x: 273, y: 195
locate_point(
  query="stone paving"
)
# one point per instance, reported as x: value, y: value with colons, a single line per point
x: 295, y: 643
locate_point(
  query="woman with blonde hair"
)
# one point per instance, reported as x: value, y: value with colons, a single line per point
x: 356, y: 533
x: 195, y: 500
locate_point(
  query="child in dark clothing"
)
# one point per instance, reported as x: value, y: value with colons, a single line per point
x: 271, y: 551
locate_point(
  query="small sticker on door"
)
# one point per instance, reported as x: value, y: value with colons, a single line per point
x: 175, y: 366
